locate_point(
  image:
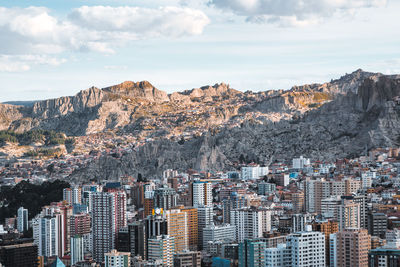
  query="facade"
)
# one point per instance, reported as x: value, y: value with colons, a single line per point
x: 46, y: 232
x: 298, y: 202
x: 234, y: 201
x: 72, y: 195
x: 306, y: 248
x: 202, y: 194
x: 279, y: 256
x: 266, y: 188
x: 108, y: 216
x: 349, y: 215
x: 165, y: 198
x: 332, y: 250
x: 352, y: 247
x: 19, y: 255
x: 384, y: 257
x: 377, y: 224
x: 77, y: 249
x: 187, y: 259
x: 213, y: 233
x: 253, y: 172
x: 22, y: 219
x: 205, y: 218
x: 193, y: 227
x: 117, y: 259
x: 80, y: 225
x: 177, y: 227
x: 250, y: 222
x: 162, y: 247
x: 300, y: 163
x: 251, y: 254
x: 327, y: 228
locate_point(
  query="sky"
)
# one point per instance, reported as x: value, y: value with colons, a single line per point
x: 56, y: 48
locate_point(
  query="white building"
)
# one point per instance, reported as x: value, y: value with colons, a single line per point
x: 250, y: 222
x: 46, y: 232
x: 162, y: 247
x: 214, y: 233
x: 300, y: 163
x: 202, y: 194
x: 366, y: 179
x: 205, y: 217
x: 22, y: 219
x: 117, y: 259
x: 333, y: 250
x: 307, y: 248
x: 77, y: 249
x: 253, y: 172
x: 278, y: 257
x: 72, y: 195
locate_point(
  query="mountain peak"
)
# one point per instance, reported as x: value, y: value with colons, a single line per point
x: 143, y: 90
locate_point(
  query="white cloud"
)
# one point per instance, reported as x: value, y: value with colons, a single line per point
x: 20, y: 63
x: 97, y: 28
x: 293, y: 12
x: 140, y: 23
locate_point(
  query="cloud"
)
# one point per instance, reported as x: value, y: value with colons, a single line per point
x: 292, y: 12
x: 96, y: 28
x: 20, y: 63
x: 140, y: 23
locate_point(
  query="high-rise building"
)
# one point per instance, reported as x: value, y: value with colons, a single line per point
x: 115, y: 258
x: 327, y: 228
x: 156, y: 224
x: 377, y: 224
x: 24, y: 255
x: 214, y: 233
x: 361, y: 198
x: 139, y: 190
x: 266, y: 188
x: 202, y: 194
x: 234, y: 201
x: 300, y: 221
x: 72, y: 195
x: 250, y: 222
x: 165, y: 198
x: 349, y: 214
x: 80, y: 225
x: 177, y: 225
x: 300, y: 163
x: 389, y: 254
x: 332, y: 250
x: 251, y: 253
x: 298, y: 202
x: 187, y: 259
x: 279, y: 256
x: 307, y: 248
x: 77, y: 249
x: 22, y: 219
x: 108, y: 216
x: 193, y: 227
x: 205, y: 217
x: 366, y: 179
x: 352, y: 247
x: 253, y: 172
x: 46, y: 233
x: 330, y: 207
x: 162, y: 247
x: 137, y: 239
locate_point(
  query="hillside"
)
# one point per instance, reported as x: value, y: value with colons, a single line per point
x: 211, y: 127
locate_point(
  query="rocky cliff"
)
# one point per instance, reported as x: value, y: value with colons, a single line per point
x: 211, y: 127
x: 343, y: 127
